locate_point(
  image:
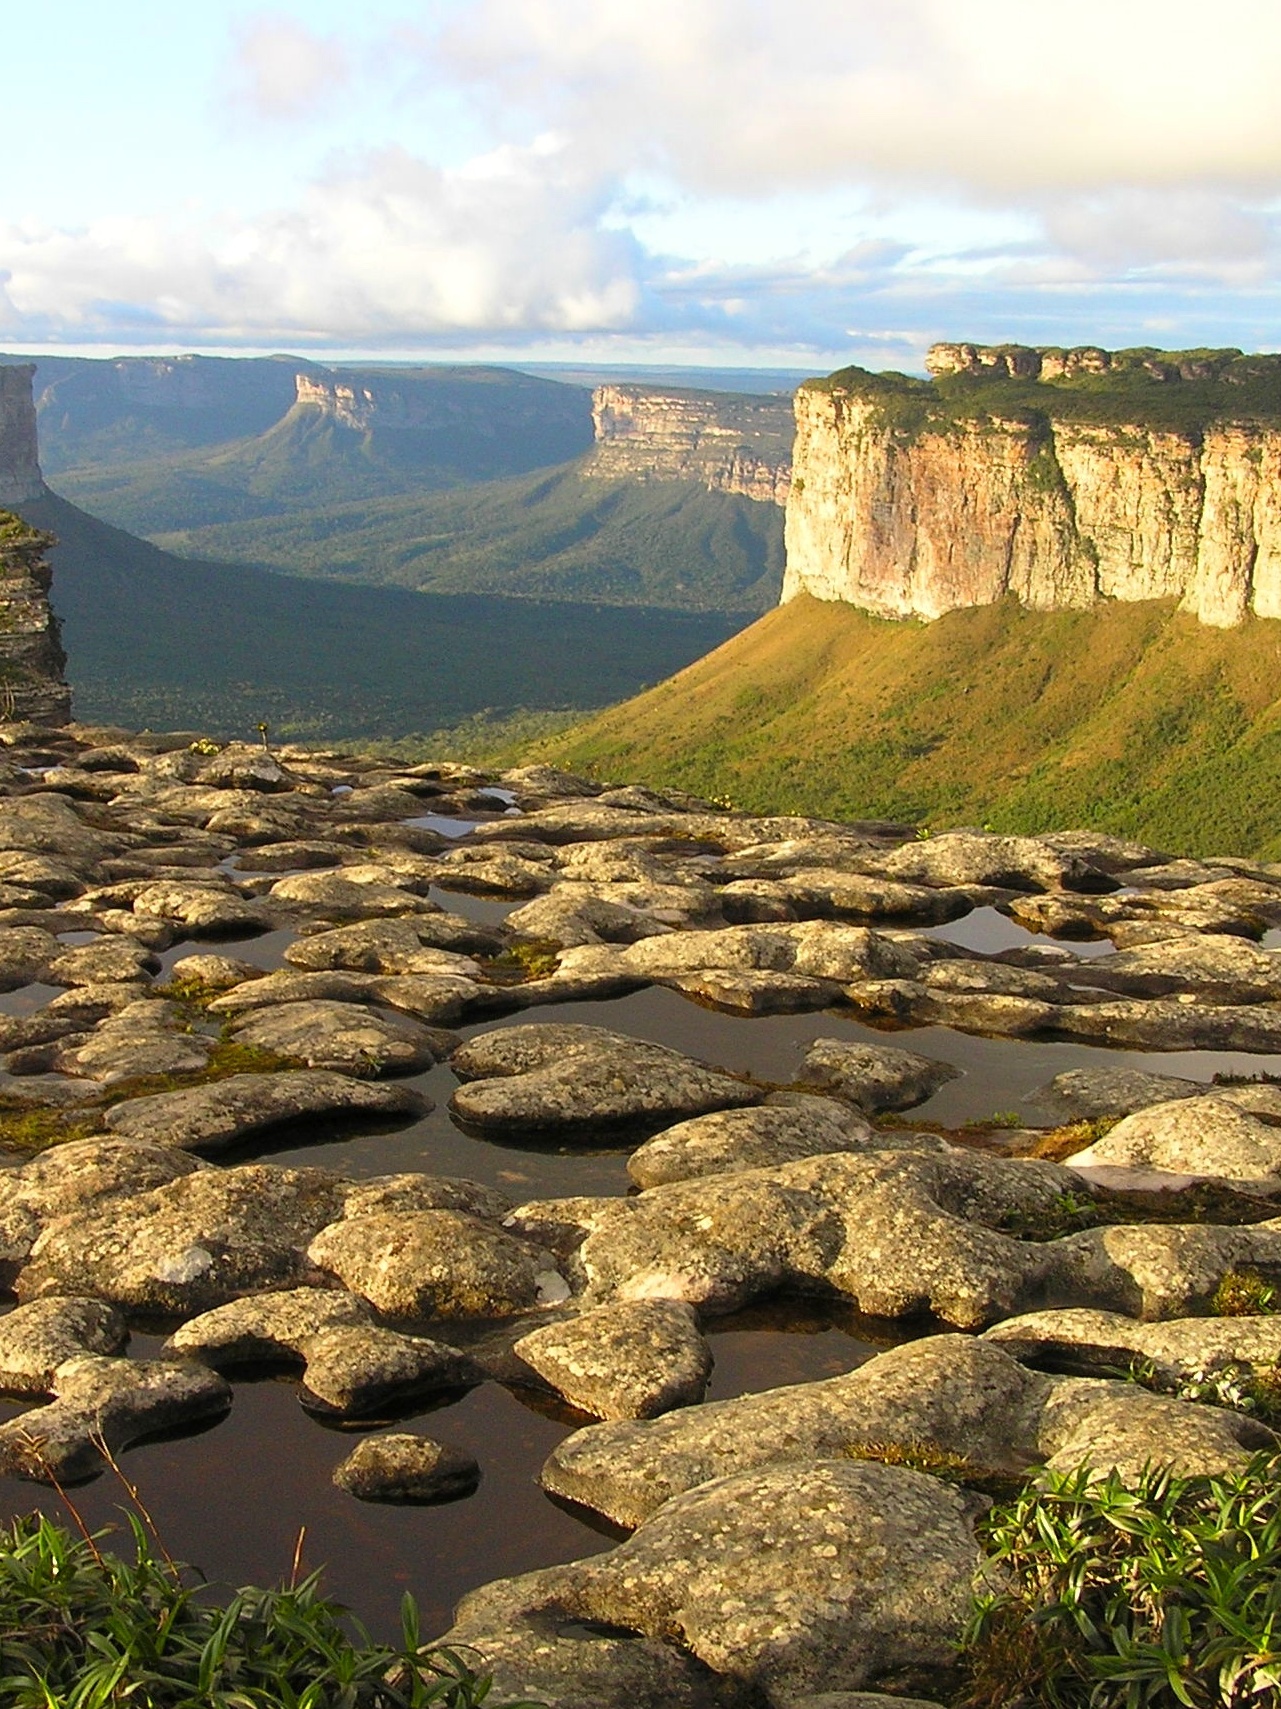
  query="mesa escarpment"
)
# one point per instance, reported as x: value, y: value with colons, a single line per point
x: 32, y: 661
x: 1065, y: 478
x: 728, y: 442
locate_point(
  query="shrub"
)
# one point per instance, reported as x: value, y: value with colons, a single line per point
x: 81, y: 1628
x: 1167, y: 1592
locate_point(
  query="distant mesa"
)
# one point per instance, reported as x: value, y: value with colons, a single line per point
x: 728, y: 442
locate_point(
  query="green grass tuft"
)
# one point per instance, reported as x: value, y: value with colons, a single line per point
x: 82, y: 1628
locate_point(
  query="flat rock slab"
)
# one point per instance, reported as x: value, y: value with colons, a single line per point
x: 404, y: 1468
x: 1207, y: 1138
x: 231, y: 1111
x: 36, y: 1339
x: 111, y: 1401
x: 1106, y: 1343
x: 1089, y: 1094
x: 631, y: 1360
x: 873, y: 1077
x: 759, y: 1138
x: 189, y: 1244
x: 416, y: 1265
x: 555, y: 1079
x: 351, y: 1038
x: 831, y: 1574
x: 960, y: 1396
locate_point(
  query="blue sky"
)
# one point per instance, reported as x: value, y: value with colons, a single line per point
x: 707, y: 181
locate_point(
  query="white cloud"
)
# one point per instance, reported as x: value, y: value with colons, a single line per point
x: 390, y: 247
x: 1002, y: 97
x: 283, y: 70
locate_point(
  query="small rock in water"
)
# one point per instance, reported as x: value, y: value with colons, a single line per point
x: 873, y: 1076
x: 404, y: 1468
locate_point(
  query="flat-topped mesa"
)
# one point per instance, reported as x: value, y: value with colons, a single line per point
x: 20, y: 477
x: 1063, y: 477
x: 727, y: 442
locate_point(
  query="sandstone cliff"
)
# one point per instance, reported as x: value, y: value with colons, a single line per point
x: 1063, y: 477
x: 32, y: 661
x: 728, y: 442
x: 20, y: 478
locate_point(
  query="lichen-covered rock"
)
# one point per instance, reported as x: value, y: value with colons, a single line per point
x: 339, y: 896
x: 827, y: 1574
x: 730, y: 1140
x: 1104, y: 1343
x: 562, y: 1078
x: 1088, y: 1094
x: 202, y: 910
x: 351, y: 1038
x: 403, y: 1468
x: 874, y: 1077
x: 1154, y: 1270
x: 816, y: 949
x: 36, y: 1339
x: 190, y: 1244
x: 1014, y: 863
x: 106, y: 1401
x: 415, y: 1265
x: 264, y: 1328
x: 633, y: 1359
x: 232, y: 1111
x: 110, y: 960
x: 1206, y: 1137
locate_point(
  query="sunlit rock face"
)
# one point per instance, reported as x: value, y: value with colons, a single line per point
x: 732, y: 443
x: 914, y: 518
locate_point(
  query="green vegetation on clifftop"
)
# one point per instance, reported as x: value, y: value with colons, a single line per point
x: 1134, y: 719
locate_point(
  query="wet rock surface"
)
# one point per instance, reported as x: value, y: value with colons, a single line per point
x: 150, y: 891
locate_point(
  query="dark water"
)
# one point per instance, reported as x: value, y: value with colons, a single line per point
x: 232, y: 1498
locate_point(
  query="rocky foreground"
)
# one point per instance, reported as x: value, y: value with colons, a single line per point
x: 781, y: 1551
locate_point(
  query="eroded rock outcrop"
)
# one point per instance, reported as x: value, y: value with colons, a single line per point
x: 730, y: 442
x: 912, y: 500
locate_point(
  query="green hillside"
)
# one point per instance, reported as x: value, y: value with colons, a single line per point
x: 161, y: 642
x: 1128, y: 718
x: 560, y: 534
x: 399, y: 431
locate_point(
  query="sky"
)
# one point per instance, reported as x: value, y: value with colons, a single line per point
x: 715, y: 182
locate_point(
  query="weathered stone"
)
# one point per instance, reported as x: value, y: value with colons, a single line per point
x: 415, y: 1265
x: 25, y: 953
x: 577, y: 914
x: 634, y: 1359
x: 831, y: 1574
x: 729, y: 1140
x: 241, y: 766
x: 1206, y: 1137
x: 873, y: 1077
x: 563, y: 1078
x: 1223, y: 968
x: 1104, y: 1343
x: 815, y: 949
x: 202, y: 910
x: 379, y: 1193
x: 403, y: 1468
x: 373, y: 946
x: 1171, y: 1024
x: 1014, y: 863
x: 751, y: 993
x: 1088, y: 1094
x: 816, y: 893
x: 111, y: 1401
x: 1156, y: 1270
x: 264, y: 1328
x: 190, y: 1244
x: 213, y: 972
x: 357, y: 1369
x: 35, y: 1339
x: 232, y: 1111
x: 350, y: 1037
x: 113, y: 959
x: 535, y: 1650
x: 338, y: 896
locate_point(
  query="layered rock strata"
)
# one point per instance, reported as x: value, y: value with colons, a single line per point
x: 731, y: 443
x: 913, y: 511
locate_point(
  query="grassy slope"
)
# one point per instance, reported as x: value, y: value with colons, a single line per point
x: 160, y: 641
x: 1131, y: 718
x: 558, y: 534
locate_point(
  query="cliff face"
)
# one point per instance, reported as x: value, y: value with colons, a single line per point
x: 729, y: 442
x: 20, y: 478
x: 32, y: 662
x: 920, y: 516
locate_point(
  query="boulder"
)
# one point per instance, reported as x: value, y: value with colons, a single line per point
x: 1156, y: 1270
x: 558, y: 1079
x: 730, y: 1140
x: 1013, y: 863
x: 873, y: 1077
x: 109, y: 1402
x: 36, y: 1339
x: 1088, y: 1094
x: 190, y: 1244
x: 416, y: 1265
x: 633, y: 1359
x: 108, y: 961
x: 232, y: 1111
x: 202, y: 910
x: 1104, y: 1343
x: 403, y: 1468
x: 351, y: 1038
x: 1187, y: 1138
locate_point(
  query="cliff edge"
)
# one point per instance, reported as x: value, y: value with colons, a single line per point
x: 1065, y: 478
x: 32, y: 662
x: 728, y: 442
